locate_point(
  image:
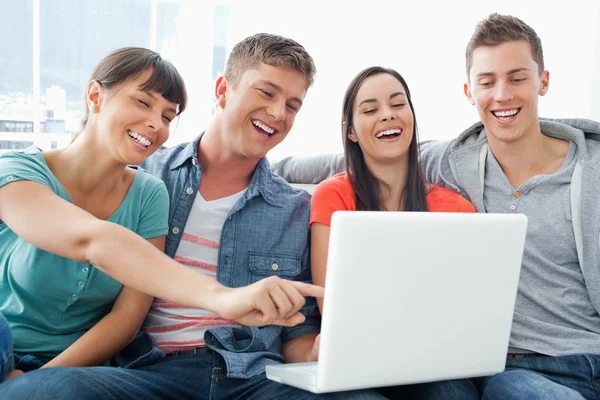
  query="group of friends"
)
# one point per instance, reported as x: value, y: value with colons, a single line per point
x: 129, y: 270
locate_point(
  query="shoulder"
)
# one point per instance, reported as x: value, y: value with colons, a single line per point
x: 147, y: 180
x: 28, y: 164
x: 339, y: 184
x: 442, y: 199
x: 30, y: 156
x: 166, y: 157
x: 148, y: 188
x: 287, y: 193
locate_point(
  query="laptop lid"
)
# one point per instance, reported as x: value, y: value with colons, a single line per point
x: 414, y: 297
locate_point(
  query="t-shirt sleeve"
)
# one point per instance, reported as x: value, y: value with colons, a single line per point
x: 154, y: 216
x: 329, y: 196
x: 21, y: 166
x: 464, y: 205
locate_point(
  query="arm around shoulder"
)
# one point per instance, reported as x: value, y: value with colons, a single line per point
x: 432, y: 154
x: 309, y: 169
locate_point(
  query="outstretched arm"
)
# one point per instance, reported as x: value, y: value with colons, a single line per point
x: 42, y: 218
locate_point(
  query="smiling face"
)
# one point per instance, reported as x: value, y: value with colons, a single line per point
x: 383, y: 122
x: 258, y: 113
x: 504, y: 85
x: 130, y: 121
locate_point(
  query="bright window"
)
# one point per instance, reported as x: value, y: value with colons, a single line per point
x: 54, y: 44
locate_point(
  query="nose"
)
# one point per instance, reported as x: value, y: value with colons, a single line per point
x: 503, y: 92
x: 155, y: 121
x: 277, y: 111
x: 387, y: 115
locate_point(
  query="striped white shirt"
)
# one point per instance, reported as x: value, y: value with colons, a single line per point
x: 175, y: 327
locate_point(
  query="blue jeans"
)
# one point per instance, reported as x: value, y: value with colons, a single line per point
x: 562, y: 378
x: 185, y: 376
x: 6, y: 349
x: 457, y: 389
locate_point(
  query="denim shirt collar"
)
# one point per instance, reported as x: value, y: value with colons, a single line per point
x: 261, y: 182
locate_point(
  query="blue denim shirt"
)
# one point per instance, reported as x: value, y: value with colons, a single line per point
x: 265, y: 233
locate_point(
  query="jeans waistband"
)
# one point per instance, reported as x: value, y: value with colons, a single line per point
x: 195, y: 350
x: 516, y: 356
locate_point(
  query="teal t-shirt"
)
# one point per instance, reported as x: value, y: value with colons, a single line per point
x: 51, y: 301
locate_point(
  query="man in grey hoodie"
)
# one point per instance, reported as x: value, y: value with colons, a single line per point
x: 549, y: 170
x: 514, y: 162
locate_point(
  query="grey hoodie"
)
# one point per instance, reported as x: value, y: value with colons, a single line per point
x: 459, y: 165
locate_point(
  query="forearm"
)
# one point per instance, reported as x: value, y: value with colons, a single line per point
x: 299, y: 349
x: 136, y: 263
x: 109, y: 336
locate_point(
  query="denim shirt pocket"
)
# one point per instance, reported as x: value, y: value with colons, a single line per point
x: 273, y: 264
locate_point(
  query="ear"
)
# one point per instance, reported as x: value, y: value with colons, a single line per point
x: 468, y: 93
x: 221, y: 91
x: 94, y: 96
x: 352, y: 135
x: 545, y: 83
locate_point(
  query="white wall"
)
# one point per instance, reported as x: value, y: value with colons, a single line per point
x: 425, y: 42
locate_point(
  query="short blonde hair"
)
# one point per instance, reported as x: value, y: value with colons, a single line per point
x: 274, y: 50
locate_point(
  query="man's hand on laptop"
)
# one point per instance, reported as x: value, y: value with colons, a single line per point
x: 270, y: 301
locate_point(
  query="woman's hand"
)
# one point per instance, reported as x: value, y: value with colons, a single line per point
x: 270, y: 301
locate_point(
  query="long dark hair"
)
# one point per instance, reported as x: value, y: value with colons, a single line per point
x: 367, y: 187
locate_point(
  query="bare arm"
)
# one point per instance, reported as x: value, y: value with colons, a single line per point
x: 50, y: 223
x: 113, y: 332
x: 319, y: 244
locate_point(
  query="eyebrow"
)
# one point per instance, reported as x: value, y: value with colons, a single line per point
x: 149, y: 93
x: 278, y: 88
x: 511, y: 72
x: 375, y: 100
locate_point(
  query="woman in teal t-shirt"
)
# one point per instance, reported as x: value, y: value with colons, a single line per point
x: 61, y: 310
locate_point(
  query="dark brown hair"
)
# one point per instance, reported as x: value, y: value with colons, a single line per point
x: 498, y: 29
x: 367, y: 187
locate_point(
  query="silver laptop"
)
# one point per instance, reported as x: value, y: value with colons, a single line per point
x: 413, y: 297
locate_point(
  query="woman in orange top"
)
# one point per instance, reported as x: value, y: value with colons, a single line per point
x: 381, y: 150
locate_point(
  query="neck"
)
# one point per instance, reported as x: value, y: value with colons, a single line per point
x: 86, y: 165
x: 394, y: 175
x: 529, y: 156
x: 219, y: 160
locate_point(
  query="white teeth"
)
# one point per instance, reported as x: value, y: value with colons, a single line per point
x: 139, y: 138
x: 509, y: 113
x: 388, y: 132
x: 262, y: 126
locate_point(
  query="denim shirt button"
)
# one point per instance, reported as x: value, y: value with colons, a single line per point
x: 189, y: 191
x: 274, y: 267
x: 194, y: 161
x: 175, y: 231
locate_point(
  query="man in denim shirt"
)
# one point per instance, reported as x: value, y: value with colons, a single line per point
x: 233, y: 219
